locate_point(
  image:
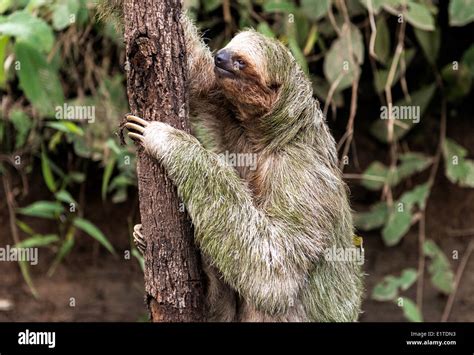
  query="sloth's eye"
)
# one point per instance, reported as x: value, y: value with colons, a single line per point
x: 240, y: 63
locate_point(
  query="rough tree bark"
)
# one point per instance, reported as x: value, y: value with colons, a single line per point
x: 156, y: 76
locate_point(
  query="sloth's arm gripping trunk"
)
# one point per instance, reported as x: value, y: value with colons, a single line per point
x: 156, y: 77
x: 262, y: 256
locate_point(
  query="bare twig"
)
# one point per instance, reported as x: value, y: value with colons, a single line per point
x: 227, y: 17
x: 457, y: 281
x: 421, y: 262
x: 461, y: 232
x: 350, y: 123
x: 373, y: 28
x: 332, y: 90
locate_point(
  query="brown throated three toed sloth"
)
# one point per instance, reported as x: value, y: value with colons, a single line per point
x: 262, y: 230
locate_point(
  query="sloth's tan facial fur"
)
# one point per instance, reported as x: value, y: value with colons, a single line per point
x: 241, y: 75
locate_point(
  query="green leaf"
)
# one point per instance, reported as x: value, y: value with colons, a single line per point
x: 377, y: 4
x: 430, y: 248
x: 374, y: 218
x: 461, y: 12
x: 120, y: 195
x: 458, y: 81
x: 120, y: 181
x: 4, y: 6
x: 407, y: 278
x: 419, y: 15
x: 382, y: 40
x: 398, y: 224
x: 297, y: 53
x: 24, y: 227
x: 339, y: 64
x: 22, y: 123
x: 442, y: 277
x: 81, y: 148
x: 38, y: 240
x: 211, y: 5
x: 47, y: 173
x: 420, y: 99
x: 412, y: 163
x: 375, y: 175
x: 64, y: 13
x: 386, y: 290
x: 265, y: 29
x: 77, y: 177
x: 443, y: 281
x: 468, y: 59
x: 28, y: 29
x: 411, y: 311
x: 271, y: 6
x: 4, y: 40
x: 38, y: 79
x: 457, y: 169
x: 430, y: 42
x: 65, y: 197
x: 64, y: 250
x: 94, y: 232
x: 389, y: 287
x: 25, y: 271
x: 315, y: 10
x: 417, y: 196
x: 66, y: 127
x: 43, y: 209
x: 109, y: 168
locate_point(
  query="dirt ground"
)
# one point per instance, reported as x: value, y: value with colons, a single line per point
x: 107, y: 288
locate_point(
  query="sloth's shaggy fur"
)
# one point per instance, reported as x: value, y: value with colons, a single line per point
x: 262, y: 232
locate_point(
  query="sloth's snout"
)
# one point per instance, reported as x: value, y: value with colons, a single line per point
x: 223, y: 60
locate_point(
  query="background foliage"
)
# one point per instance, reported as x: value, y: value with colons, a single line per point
x: 362, y: 55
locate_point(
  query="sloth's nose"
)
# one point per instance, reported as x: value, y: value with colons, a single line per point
x: 222, y: 58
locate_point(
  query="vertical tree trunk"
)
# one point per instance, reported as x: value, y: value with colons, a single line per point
x: 156, y: 68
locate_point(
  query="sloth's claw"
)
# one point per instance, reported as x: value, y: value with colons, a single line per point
x: 138, y: 238
x: 135, y: 127
x: 136, y: 137
x: 138, y: 120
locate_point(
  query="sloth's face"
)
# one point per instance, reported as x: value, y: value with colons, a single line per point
x: 243, y: 71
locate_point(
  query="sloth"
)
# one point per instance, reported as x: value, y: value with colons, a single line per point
x: 262, y: 230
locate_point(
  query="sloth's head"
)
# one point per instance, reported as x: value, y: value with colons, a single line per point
x: 252, y: 71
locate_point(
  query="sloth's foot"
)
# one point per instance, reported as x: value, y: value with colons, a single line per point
x: 136, y: 128
x: 138, y: 238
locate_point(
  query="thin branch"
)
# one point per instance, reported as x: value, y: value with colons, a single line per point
x: 332, y: 90
x: 421, y: 262
x: 373, y: 28
x: 227, y: 17
x: 350, y: 123
x: 457, y: 281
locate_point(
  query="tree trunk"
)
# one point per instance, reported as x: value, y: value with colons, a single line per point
x: 156, y: 76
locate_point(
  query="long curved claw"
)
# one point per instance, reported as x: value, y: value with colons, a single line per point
x: 138, y: 120
x: 136, y: 137
x: 135, y: 127
x: 138, y: 238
